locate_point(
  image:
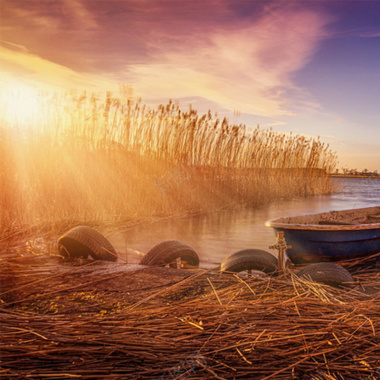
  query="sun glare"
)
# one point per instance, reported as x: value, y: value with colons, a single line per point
x: 20, y: 104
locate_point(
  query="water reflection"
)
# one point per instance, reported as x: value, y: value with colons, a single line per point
x: 217, y: 235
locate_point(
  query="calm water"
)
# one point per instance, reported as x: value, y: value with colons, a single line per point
x: 217, y: 235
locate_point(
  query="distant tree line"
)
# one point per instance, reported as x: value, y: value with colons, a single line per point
x: 356, y: 172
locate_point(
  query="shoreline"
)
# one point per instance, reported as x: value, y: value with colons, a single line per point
x: 353, y: 176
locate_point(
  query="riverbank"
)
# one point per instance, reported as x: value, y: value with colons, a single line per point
x: 112, y: 320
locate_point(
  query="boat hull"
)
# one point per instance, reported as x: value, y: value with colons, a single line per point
x: 316, y: 246
x: 312, y: 242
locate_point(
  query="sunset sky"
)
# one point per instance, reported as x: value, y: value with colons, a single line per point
x: 310, y: 67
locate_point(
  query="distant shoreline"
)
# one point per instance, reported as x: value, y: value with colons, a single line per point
x: 354, y: 176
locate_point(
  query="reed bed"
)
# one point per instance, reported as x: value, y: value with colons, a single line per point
x: 99, y: 320
x: 87, y: 158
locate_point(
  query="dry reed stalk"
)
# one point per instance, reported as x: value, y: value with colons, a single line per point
x: 87, y: 159
x: 126, y: 325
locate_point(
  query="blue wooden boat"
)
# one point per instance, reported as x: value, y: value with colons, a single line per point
x: 331, y: 236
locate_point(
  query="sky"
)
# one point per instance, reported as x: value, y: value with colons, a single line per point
x: 307, y: 67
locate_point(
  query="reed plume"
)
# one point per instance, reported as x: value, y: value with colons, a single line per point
x: 86, y: 158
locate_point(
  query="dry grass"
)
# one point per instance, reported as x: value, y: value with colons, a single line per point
x: 86, y: 159
x: 100, y: 321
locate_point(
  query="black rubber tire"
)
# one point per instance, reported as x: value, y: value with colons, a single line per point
x: 247, y: 259
x: 82, y: 241
x: 167, y: 251
x: 326, y: 273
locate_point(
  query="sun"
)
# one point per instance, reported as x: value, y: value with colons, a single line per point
x: 20, y: 104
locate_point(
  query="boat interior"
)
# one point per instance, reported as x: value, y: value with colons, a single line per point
x: 369, y: 215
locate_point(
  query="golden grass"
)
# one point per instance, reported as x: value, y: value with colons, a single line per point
x: 89, y: 159
x: 102, y: 319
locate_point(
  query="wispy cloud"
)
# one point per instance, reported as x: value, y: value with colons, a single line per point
x: 13, y: 46
x: 173, y: 49
x: 364, y: 32
x: 370, y: 34
x: 36, y: 70
x: 82, y: 17
x: 58, y: 31
x: 245, y: 66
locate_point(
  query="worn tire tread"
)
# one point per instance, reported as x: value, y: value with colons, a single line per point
x: 82, y: 241
x: 326, y: 273
x: 169, y: 250
x: 246, y: 259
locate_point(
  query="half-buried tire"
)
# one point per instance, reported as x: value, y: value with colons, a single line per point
x: 326, y: 273
x: 249, y: 259
x: 168, y: 251
x: 82, y: 241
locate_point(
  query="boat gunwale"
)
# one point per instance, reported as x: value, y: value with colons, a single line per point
x: 317, y: 227
x: 278, y: 223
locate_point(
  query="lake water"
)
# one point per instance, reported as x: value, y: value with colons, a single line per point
x: 217, y: 235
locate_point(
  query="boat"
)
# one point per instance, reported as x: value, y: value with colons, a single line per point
x: 330, y: 236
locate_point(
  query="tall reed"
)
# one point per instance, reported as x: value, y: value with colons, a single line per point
x: 87, y: 158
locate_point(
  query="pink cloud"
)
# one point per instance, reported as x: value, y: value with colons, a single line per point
x: 246, y: 65
x: 176, y: 49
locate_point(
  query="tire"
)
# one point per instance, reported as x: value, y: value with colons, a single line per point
x: 247, y: 259
x: 166, y: 252
x: 326, y: 273
x: 82, y: 241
